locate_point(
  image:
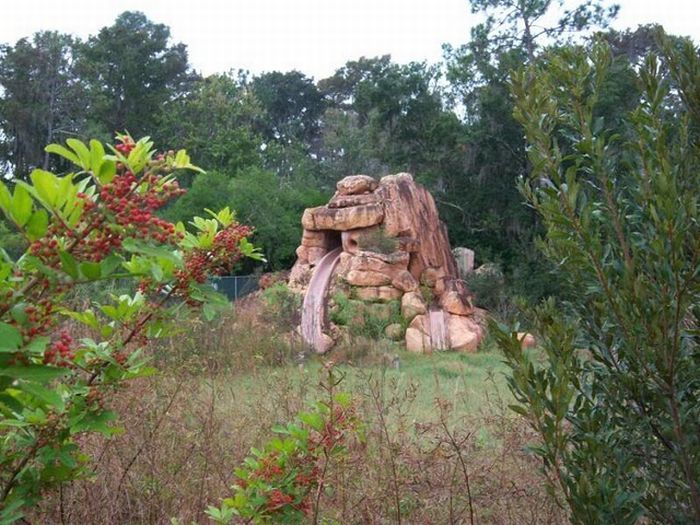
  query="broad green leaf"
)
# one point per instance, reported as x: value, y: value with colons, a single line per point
x: 48, y: 396
x: 5, y: 197
x: 40, y: 373
x: 45, y: 184
x: 68, y: 264
x: 82, y: 151
x: 38, y: 224
x: 10, y: 338
x: 97, y: 153
x: 21, y: 205
x: 107, y: 171
x: 91, y: 270
x: 63, y: 152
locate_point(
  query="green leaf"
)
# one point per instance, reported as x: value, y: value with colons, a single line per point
x: 10, y: 338
x: 68, y: 264
x: 5, y: 197
x: 91, y: 270
x: 38, y: 224
x: 40, y: 373
x: 63, y: 152
x: 45, y: 184
x: 21, y: 205
x: 48, y: 396
x: 82, y: 151
x: 107, y: 171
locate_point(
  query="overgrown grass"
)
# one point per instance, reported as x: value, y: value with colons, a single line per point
x: 441, y: 445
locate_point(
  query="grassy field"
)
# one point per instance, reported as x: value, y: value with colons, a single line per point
x: 222, y: 388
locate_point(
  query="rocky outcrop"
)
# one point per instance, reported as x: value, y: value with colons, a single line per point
x: 394, y: 248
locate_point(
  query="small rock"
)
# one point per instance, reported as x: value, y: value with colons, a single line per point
x: 527, y: 340
x: 452, y: 302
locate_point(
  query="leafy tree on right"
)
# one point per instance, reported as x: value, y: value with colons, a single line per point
x: 615, y: 398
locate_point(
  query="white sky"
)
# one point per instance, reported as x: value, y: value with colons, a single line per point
x: 313, y: 36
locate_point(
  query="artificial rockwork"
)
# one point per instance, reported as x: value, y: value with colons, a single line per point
x: 382, y: 243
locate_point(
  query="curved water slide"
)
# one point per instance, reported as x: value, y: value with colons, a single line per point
x: 313, y: 313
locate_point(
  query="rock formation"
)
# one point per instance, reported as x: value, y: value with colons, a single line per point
x: 382, y: 242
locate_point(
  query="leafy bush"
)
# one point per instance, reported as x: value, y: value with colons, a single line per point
x: 284, y: 482
x: 95, y: 225
x: 617, y: 401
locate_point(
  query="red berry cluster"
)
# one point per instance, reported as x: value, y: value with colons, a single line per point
x: 278, y: 499
x: 217, y: 260
x: 123, y: 208
x: 60, y: 352
x: 127, y: 144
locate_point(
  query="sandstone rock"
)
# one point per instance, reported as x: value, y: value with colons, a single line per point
x: 431, y: 276
x: 327, y: 342
x: 355, y: 184
x: 465, y: 261
x: 345, y: 201
x: 367, y: 278
x: 404, y: 281
x: 315, y: 255
x: 315, y: 239
x: 342, y: 219
x: 410, y: 211
x: 299, y: 276
x: 527, y: 340
x: 394, y: 331
x: 439, y: 288
x: 371, y: 262
x: 452, y: 303
x: 416, y: 341
x: 412, y: 304
x: 302, y: 254
x: 464, y: 334
x: 377, y: 293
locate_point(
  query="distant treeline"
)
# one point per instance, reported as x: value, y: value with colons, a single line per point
x: 276, y: 143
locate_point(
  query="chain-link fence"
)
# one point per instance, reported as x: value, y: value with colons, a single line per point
x: 235, y: 286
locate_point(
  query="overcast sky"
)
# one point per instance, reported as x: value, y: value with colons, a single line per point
x: 313, y: 36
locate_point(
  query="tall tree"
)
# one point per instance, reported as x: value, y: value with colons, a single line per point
x: 39, y: 99
x: 293, y: 104
x: 132, y: 70
x: 219, y: 121
x: 492, y: 216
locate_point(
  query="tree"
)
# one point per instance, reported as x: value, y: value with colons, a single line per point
x: 615, y: 402
x: 219, y: 121
x: 131, y: 71
x: 488, y: 213
x: 40, y: 101
x: 293, y: 105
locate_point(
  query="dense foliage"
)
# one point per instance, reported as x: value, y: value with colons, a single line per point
x: 287, y: 139
x: 94, y: 225
x: 616, y: 401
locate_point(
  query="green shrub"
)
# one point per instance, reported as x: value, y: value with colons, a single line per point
x: 619, y: 423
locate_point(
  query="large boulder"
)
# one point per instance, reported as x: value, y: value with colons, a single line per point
x: 464, y: 334
x: 342, y: 219
x: 356, y: 184
x: 412, y: 304
x: 367, y: 278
